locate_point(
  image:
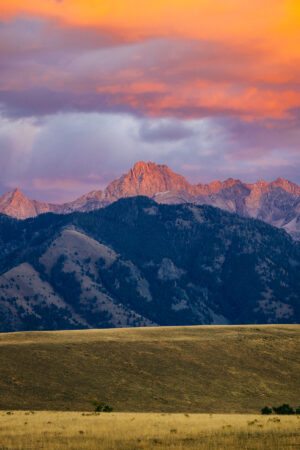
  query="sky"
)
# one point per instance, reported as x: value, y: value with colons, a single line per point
x: 89, y: 87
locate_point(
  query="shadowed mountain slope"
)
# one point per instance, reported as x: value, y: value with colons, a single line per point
x: 137, y: 263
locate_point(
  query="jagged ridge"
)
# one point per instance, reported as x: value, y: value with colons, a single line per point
x: 277, y: 203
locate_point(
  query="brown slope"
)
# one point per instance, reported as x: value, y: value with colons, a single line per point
x: 176, y: 369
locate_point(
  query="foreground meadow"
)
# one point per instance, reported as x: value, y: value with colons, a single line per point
x: 75, y: 430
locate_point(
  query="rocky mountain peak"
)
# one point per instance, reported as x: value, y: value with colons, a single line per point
x: 148, y: 179
x: 13, y: 196
x: 15, y: 204
x: 231, y: 182
x: 277, y: 202
x: 142, y: 166
x: 286, y: 185
x: 16, y: 194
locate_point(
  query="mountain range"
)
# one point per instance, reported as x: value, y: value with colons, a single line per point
x: 277, y: 203
x: 137, y: 262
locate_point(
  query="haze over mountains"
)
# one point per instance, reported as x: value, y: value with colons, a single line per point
x: 277, y: 203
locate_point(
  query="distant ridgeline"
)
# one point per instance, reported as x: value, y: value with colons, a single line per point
x: 277, y: 203
x: 139, y: 263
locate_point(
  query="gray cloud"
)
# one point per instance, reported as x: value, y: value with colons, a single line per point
x: 165, y: 130
x: 65, y: 155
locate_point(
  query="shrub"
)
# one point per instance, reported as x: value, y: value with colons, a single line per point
x: 298, y: 410
x: 107, y: 408
x: 266, y: 410
x: 101, y: 406
x: 283, y: 409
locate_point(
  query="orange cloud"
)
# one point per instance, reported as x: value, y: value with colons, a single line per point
x: 133, y: 88
x: 272, y: 21
x: 254, y: 71
x: 208, y: 99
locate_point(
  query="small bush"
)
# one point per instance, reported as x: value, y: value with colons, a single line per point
x: 266, y: 410
x: 283, y: 409
x: 298, y: 410
x: 101, y: 406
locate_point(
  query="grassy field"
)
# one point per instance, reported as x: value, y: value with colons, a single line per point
x: 219, y: 369
x: 129, y: 431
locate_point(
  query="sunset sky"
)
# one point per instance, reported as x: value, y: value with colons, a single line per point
x: 88, y: 87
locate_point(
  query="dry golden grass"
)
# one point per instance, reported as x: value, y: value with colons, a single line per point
x: 187, y: 369
x: 129, y: 431
x: 219, y: 369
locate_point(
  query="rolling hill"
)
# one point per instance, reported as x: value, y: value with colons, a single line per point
x: 218, y: 369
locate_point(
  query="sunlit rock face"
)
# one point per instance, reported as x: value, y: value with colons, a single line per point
x: 15, y: 204
x: 277, y: 203
x: 148, y: 179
